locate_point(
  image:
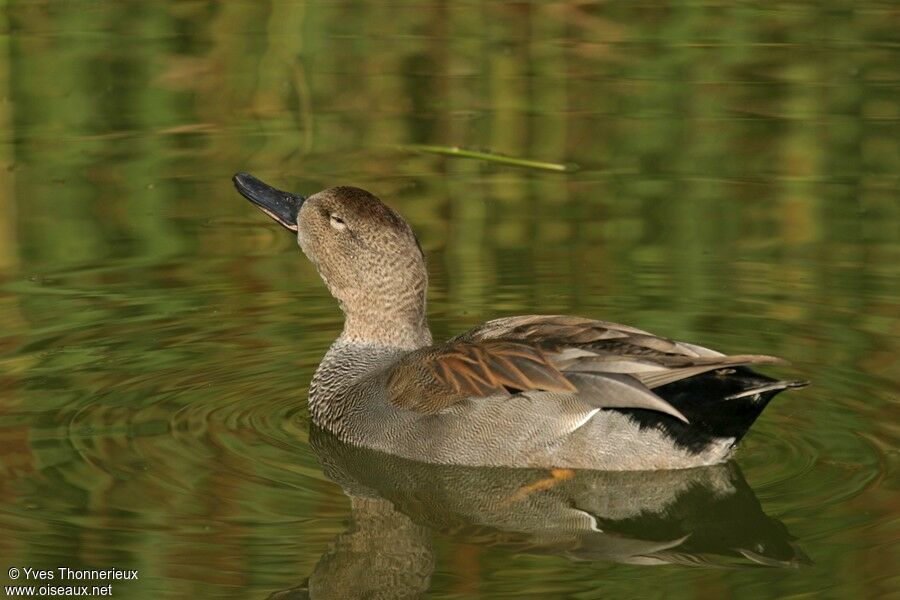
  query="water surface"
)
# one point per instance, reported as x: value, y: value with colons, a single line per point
x: 737, y: 187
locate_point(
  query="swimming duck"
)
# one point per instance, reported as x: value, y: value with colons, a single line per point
x: 525, y: 391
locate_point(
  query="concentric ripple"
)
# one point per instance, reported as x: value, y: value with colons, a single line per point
x: 156, y: 398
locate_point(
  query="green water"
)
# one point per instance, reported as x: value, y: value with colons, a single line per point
x: 737, y: 187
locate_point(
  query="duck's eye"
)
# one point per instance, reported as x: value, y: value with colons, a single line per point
x: 337, y: 222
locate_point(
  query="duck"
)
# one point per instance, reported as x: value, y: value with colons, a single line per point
x: 531, y: 391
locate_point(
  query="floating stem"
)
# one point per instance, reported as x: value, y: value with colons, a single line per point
x: 490, y: 157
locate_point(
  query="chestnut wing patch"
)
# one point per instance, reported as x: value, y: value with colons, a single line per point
x: 490, y: 367
x: 434, y: 378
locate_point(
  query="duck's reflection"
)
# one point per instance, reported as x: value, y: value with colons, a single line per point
x: 702, y: 516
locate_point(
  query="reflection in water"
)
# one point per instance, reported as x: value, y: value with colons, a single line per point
x: 704, y: 516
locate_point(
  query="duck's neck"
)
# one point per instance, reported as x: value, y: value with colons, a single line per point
x: 403, y: 330
x: 394, y: 320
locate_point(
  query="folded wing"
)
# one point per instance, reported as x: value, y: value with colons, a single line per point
x: 602, y: 364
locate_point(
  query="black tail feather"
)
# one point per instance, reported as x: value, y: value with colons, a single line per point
x: 719, y: 404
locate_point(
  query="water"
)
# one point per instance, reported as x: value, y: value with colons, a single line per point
x: 737, y: 187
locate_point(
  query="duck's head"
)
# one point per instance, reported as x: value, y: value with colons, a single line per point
x: 365, y: 252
